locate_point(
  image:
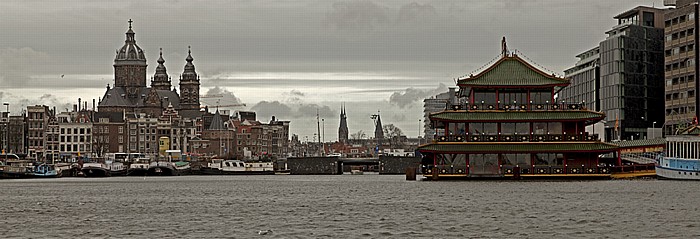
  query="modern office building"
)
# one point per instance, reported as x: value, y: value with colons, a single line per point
x: 585, y: 80
x: 680, y: 68
x: 623, y: 76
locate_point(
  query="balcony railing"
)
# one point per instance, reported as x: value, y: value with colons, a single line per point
x: 517, y: 106
x: 516, y: 138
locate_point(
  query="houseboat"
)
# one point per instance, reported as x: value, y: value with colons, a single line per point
x: 505, y: 122
x: 681, y: 158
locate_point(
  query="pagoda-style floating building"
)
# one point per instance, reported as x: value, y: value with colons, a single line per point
x: 508, y: 123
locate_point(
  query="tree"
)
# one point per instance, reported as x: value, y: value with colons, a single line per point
x: 359, y: 135
x: 394, y: 134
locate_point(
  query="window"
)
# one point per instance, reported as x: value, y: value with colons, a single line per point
x: 121, y: 129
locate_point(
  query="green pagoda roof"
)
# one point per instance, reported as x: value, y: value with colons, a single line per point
x: 519, y: 147
x: 511, y: 70
x: 528, y: 116
x: 640, y: 143
x: 692, y: 130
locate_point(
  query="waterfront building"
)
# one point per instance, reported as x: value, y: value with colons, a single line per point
x: 108, y: 133
x: 75, y: 134
x: 681, y: 70
x: 17, y: 132
x: 142, y: 135
x: 277, y: 132
x: 511, y: 124
x: 37, y: 120
x: 179, y: 130
x: 622, y: 77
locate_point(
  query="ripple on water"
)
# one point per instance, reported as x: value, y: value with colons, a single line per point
x: 341, y: 206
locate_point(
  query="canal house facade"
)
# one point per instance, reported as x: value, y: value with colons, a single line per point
x: 507, y: 122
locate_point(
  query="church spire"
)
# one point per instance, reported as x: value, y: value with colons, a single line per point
x: 161, y: 80
x: 343, y: 129
x: 189, y: 85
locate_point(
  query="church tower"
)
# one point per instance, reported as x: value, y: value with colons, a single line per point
x: 130, y: 66
x: 160, y: 79
x: 189, y: 85
x: 343, y: 129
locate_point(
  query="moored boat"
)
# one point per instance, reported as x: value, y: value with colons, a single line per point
x: 95, y: 170
x: 681, y: 158
x: 46, y: 171
x: 137, y: 169
x: 16, y: 168
x: 162, y: 169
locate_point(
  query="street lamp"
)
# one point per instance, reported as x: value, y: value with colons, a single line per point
x: 419, y: 120
x: 7, y: 130
x: 653, y: 129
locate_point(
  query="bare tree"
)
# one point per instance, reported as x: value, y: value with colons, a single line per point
x: 394, y: 134
x: 359, y: 135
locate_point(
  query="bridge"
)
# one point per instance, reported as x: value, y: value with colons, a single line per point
x: 338, y: 165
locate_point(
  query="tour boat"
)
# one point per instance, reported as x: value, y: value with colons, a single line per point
x: 681, y: 158
x: 237, y: 167
x: 46, y: 171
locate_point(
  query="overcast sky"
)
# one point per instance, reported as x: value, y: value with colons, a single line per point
x: 289, y: 58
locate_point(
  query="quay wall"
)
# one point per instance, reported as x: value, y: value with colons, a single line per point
x: 313, y: 165
x: 397, y: 164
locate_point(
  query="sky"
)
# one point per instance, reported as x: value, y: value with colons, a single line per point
x: 292, y: 59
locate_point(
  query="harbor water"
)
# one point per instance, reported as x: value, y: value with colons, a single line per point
x: 345, y: 206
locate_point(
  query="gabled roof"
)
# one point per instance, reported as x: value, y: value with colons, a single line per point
x: 519, y: 147
x: 525, y: 116
x: 511, y: 70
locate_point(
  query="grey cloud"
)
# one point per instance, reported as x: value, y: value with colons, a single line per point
x: 267, y: 109
x: 357, y: 15
x: 412, y: 95
x: 19, y: 103
x: 413, y: 14
x: 18, y: 64
x: 220, y: 96
x: 294, y: 96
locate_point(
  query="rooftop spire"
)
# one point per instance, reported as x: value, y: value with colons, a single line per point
x: 504, y: 47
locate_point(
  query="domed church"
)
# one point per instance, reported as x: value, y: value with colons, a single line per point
x: 130, y: 93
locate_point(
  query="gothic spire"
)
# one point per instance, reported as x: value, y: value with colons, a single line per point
x: 160, y: 78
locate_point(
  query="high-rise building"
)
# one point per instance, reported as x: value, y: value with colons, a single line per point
x: 681, y: 55
x: 623, y: 76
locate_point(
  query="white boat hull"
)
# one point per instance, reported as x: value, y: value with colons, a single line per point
x: 669, y: 173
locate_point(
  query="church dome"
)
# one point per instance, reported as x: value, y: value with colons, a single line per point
x: 130, y: 53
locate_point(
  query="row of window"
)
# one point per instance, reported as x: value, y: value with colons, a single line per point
x: 75, y: 131
x: 680, y: 95
x: 680, y: 34
x: 680, y: 49
x: 503, y: 128
x: 74, y: 138
x: 680, y: 110
x: 679, y: 19
x: 75, y: 148
x: 688, y: 62
x: 680, y: 80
